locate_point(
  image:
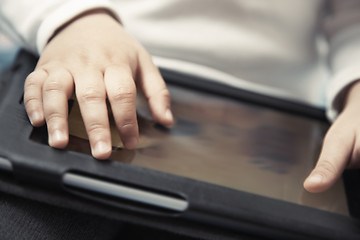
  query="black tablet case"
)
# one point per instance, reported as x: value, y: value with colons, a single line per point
x: 214, y: 212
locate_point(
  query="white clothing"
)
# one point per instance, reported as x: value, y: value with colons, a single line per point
x: 276, y: 47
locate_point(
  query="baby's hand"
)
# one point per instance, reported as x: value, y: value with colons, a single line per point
x: 341, y: 147
x: 94, y: 57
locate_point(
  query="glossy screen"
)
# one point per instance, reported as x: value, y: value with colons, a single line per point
x: 229, y: 143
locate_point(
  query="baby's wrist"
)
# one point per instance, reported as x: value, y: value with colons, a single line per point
x: 98, y: 13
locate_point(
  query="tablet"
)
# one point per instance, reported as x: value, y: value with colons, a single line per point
x: 226, y: 142
x: 233, y: 164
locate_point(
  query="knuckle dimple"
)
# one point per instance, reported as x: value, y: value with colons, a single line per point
x: 95, y: 129
x: 55, y: 117
x: 127, y: 124
x: 116, y: 59
x: 33, y: 80
x: 52, y: 85
x: 90, y: 94
x: 31, y: 100
x: 127, y: 94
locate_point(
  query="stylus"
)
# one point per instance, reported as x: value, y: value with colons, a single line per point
x: 5, y: 164
x: 125, y: 192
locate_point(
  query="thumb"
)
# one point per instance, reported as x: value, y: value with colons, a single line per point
x: 322, y: 177
x: 333, y: 159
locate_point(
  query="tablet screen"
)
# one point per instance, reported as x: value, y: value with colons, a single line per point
x: 223, y: 141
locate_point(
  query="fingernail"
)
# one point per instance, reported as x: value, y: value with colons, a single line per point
x: 57, y: 137
x: 35, y: 117
x: 316, y: 178
x: 132, y: 143
x: 168, y: 115
x: 101, y: 148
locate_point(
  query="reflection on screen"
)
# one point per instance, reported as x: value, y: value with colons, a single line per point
x: 228, y: 143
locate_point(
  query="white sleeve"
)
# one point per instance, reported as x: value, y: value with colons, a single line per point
x: 32, y: 23
x: 344, y: 38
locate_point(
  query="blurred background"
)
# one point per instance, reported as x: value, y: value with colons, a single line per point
x: 8, y: 51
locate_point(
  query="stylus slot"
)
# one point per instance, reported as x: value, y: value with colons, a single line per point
x: 120, y: 191
x: 5, y: 164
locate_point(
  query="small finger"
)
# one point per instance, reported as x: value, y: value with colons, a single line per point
x: 57, y: 89
x: 121, y: 92
x: 154, y: 88
x: 333, y: 159
x: 33, y: 97
x: 90, y: 92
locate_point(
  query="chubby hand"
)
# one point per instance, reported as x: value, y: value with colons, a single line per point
x: 341, y: 146
x: 95, y: 58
